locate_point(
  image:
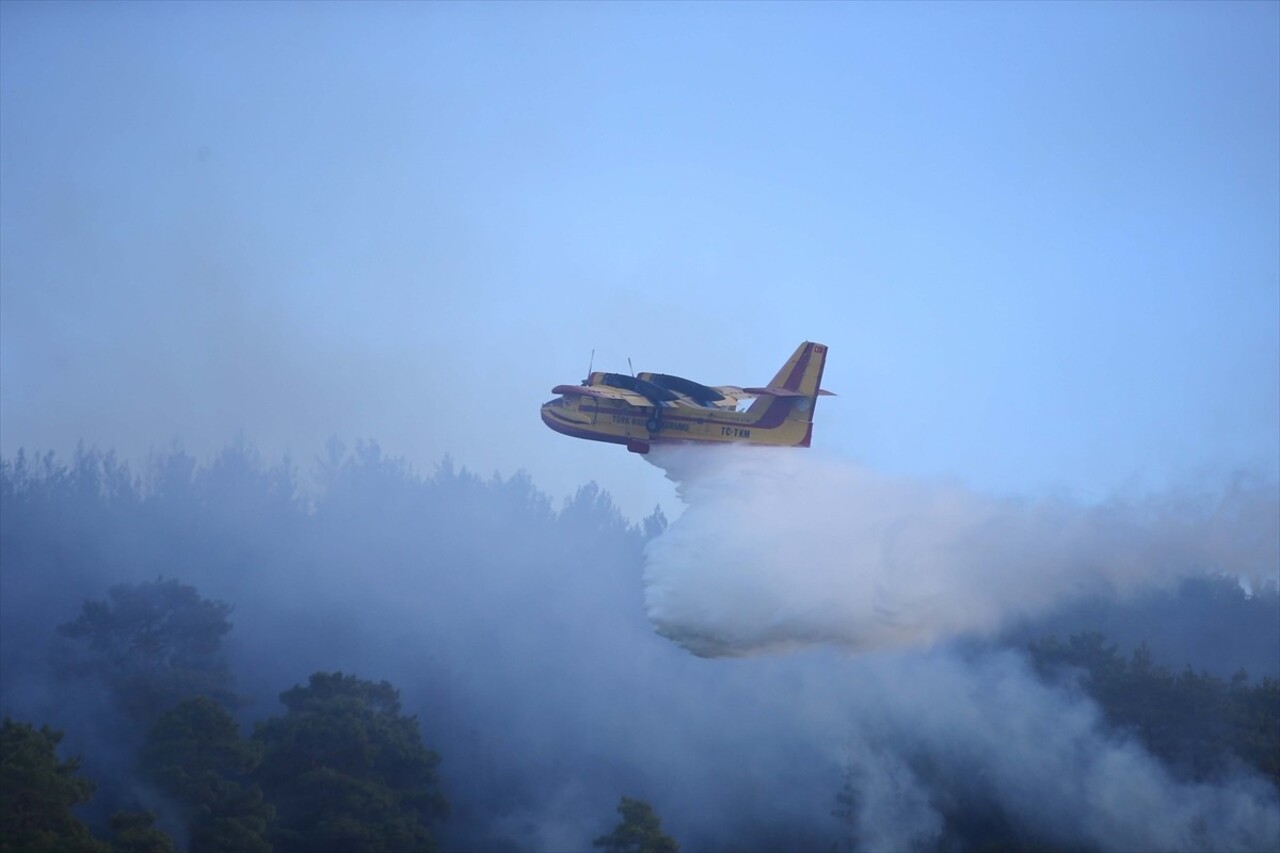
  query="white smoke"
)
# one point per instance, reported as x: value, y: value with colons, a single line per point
x: 779, y: 548
x: 1045, y: 755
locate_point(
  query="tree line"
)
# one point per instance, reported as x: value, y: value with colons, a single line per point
x: 343, y: 769
x: 1198, y: 724
x: 116, y: 613
x: 140, y: 676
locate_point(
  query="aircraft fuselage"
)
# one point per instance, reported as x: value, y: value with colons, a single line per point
x: 654, y: 408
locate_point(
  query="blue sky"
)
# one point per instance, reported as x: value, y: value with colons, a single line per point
x: 1042, y: 240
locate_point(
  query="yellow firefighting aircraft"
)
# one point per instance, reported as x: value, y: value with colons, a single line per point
x: 654, y: 408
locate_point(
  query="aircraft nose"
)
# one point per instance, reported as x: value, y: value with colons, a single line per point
x: 556, y: 416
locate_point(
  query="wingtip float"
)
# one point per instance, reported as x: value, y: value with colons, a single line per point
x: 656, y: 408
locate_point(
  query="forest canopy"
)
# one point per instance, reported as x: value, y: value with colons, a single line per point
x: 460, y: 664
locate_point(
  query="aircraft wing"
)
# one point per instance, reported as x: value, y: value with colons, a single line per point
x: 604, y: 392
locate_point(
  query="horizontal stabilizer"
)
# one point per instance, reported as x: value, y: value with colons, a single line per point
x: 774, y: 391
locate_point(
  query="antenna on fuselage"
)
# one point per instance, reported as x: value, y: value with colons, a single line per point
x: 629, y: 367
x: 590, y: 364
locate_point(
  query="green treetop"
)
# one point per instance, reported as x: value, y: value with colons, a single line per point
x: 640, y: 831
x: 37, y: 792
x: 153, y: 645
x: 194, y: 753
x: 346, y: 771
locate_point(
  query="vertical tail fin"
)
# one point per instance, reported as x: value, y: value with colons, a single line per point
x: 803, y: 371
x: 796, y: 386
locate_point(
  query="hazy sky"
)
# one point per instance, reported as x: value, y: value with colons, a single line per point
x: 1041, y: 240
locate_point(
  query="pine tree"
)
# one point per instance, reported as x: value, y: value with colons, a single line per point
x: 37, y: 792
x: 640, y: 831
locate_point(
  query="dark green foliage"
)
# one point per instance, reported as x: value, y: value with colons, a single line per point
x: 134, y: 832
x: 974, y: 818
x: 195, y: 755
x: 1255, y: 724
x: 1208, y: 623
x: 37, y: 792
x: 640, y: 831
x: 1194, y: 722
x: 297, y: 569
x: 346, y: 771
x: 153, y: 645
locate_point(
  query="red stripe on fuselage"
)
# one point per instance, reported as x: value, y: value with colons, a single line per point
x: 779, y: 408
x: 773, y: 417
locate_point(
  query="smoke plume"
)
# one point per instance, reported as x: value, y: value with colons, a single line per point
x: 779, y: 548
x: 997, y: 734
